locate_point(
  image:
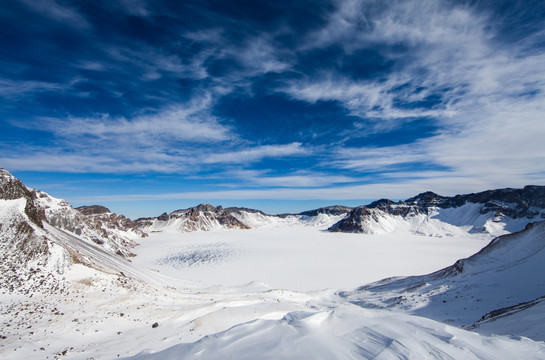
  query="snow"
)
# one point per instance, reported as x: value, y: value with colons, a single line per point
x: 298, y: 257
x: 349, y: 333
x: 505, y: 273
x: 439, y: 222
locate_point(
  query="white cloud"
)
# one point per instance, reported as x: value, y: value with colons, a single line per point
x: 492, y: 96
x: 188, y: 122
x: 256, y: 153
x: 57, y: 12
x: 21, y: 88
x: 445, y: 185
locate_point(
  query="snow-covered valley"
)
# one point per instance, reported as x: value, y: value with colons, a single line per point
x: 75, y: 284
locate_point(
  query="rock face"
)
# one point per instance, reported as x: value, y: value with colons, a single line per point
x: 113, y: 232
x: 483, y: 212
x: 12, y: 188
x: 102, y: 218
x: 26, y: 251
x: 204, y: 217
x: 93, y: 210
x: 328, y: 210
x: 41, y: 237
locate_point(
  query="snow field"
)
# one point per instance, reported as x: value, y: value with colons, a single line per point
x: 298, y: 257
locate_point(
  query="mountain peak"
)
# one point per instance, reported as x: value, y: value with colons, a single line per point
x: 427, y: 197
x: 93, y: 210
x: 11, y: 188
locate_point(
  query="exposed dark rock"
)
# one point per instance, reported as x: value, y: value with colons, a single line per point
x: 93, y: 210
x: 12, y: 188
x: 195, y: 217
x: 328, y: 210
x: 352, y: 222
x: 163, y: 217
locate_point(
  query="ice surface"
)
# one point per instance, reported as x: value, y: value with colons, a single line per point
x: 299, y: 257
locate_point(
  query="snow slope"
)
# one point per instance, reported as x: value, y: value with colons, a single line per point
x: 345, y: 332
x: 433, y: 221
x: 505, y: 273
x: 103, y: 230
x: 397, y: 318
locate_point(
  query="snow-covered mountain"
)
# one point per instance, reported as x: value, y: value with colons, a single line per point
x: 41, y: 237
x: 206, y: 217
x: 493, y: 212
x: 114, y: 233
x: 501, y: 288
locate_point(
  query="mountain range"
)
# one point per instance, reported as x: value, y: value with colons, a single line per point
x: 493, y: 212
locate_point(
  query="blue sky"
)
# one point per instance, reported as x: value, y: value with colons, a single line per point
x: 149, y: 106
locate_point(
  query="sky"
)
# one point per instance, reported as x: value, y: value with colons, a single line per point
x: 151, y: 106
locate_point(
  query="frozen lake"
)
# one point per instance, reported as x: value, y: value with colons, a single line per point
x: 298, y: 257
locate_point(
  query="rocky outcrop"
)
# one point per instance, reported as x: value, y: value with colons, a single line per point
x: 93, y: 210
x: 203, y: 217
x: 115, y: 233
x: 95, y: 224
x: 12, y: 188
x: 328, y: 210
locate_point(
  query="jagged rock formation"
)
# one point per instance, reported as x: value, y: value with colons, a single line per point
x: 113, y: 232
x: 38, y: 233
x: 493, y: 211
x: 204, y: 217
x: 109, y: 222
x: 93, y: 210
x: 328, y: 210
x: 26, y: 251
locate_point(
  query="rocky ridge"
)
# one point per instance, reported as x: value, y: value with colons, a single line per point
x: 478, y: 211
x: 204, y: 217
x: 34, y: 226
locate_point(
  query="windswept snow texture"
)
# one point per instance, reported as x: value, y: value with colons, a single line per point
x: 349, y: 333
x: 196, y: 256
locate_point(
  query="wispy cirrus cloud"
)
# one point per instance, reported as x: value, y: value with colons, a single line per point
x: 13, y: 89
x: 256, y: 153
x: 190, y: 123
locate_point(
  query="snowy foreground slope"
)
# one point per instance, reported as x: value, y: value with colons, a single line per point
x: 72, y: 289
